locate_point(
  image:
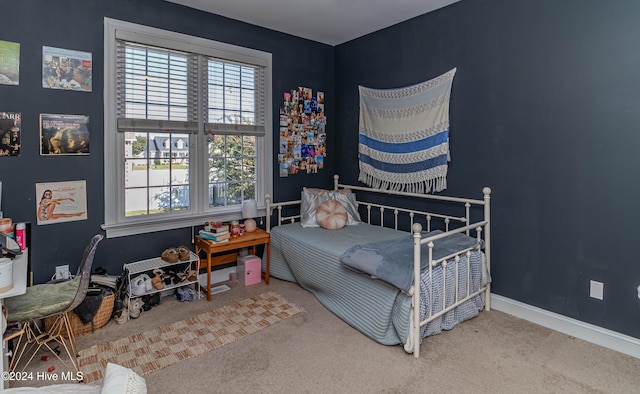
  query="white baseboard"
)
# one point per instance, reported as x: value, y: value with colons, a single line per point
x: 588, y: 332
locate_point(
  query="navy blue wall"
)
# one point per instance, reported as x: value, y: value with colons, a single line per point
x: 545, y: 110
x: 78, y: 25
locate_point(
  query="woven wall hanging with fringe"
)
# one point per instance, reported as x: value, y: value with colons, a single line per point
x: 404, y: 136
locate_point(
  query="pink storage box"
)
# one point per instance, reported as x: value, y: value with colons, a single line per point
x: 249, y: 270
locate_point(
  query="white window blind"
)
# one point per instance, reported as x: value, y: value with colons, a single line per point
x: 236, y: 101
x: 156, y: 89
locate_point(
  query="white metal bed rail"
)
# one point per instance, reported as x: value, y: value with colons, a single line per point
x: 270, y: 206
x: 412, y: 214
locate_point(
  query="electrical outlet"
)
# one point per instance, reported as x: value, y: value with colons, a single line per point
x: 597, y: 290
x: 62, y: 272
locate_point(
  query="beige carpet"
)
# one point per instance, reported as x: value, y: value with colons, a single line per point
x: 170, y: 344
x: 316, y: 352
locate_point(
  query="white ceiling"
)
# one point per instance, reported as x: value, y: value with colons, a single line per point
x: 331, y: 22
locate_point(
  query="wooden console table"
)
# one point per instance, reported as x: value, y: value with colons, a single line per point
x: 227, y: 252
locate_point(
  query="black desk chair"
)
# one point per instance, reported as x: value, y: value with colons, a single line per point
x: 50, y: 300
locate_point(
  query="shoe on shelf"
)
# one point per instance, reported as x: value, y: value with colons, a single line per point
x: 182, y: 277
x: 156, y: 281
x: 184, y: 253
x: 176, y: 279
x: 140, y: 285
x: 192, y: 275
x: 170, y: 255
x: 168, y: 277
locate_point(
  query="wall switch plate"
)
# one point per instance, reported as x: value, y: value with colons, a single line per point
x: 596, y: 290
x: 62, y: 272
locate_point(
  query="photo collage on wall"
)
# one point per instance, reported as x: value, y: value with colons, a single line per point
x: 302, y: 132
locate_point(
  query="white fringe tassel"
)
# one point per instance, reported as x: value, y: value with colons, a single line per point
x: 422, y: 187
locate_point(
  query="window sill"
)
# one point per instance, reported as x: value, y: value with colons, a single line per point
x: 115, y: 230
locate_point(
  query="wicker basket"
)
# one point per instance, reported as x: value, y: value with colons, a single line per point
x: 101, y: 318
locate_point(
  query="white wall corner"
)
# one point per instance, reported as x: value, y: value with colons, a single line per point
x: 587, y: 332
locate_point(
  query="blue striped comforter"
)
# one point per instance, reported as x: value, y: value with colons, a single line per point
x: 311, y: 258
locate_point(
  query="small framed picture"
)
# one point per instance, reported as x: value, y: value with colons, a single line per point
x: 64, y: 134
x: 58, y: 202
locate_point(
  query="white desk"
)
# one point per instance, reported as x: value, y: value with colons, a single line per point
x: 20, y: 265
x: 19, y: 269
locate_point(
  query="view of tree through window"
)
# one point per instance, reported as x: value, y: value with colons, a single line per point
x: 232, y: 169
x: 157, y: 164
x: 232, y: 158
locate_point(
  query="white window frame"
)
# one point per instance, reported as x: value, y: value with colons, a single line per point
x: 116, y: 224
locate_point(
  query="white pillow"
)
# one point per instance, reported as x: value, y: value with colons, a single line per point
x: 348, y: 199
x: 63, y: 388
x: 118, y: 379
x: 310, y: 200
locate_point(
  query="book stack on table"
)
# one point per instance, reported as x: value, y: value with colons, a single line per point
x: 215, y: 235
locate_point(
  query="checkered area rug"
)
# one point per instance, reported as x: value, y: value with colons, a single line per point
x: 169, y: 344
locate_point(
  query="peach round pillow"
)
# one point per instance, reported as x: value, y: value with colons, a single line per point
x: 331, y: 215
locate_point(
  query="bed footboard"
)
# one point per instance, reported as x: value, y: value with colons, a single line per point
x: 461, y: 295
